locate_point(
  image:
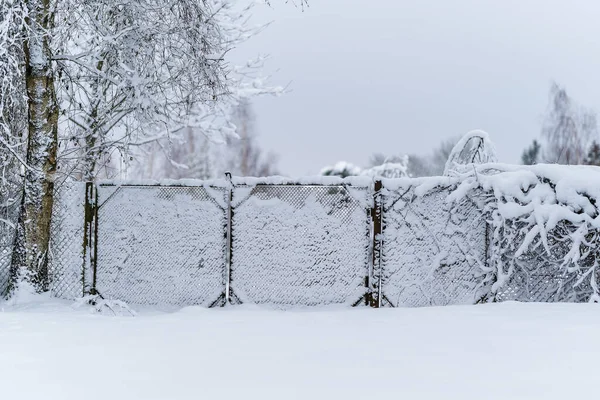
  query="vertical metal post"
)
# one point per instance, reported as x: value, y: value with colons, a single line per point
x: 228, y: 239
x: 94, y: 253
x: 86, y: 278
x: 90, y: 240
x: 374, y: 298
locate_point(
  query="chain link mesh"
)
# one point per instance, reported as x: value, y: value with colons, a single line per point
x: 300, y: 245
x: 66, y: 241
x: 431, y: 250
x: 9, y: 211
x: 5, y: 258
x: 543, y: 277
x: 161, y: 245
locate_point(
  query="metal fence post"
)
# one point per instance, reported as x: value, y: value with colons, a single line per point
x: 229, y: 239
x: 86, y: 278
x: 90, y: 238
x: 94, y: 253
x: 374, y: 296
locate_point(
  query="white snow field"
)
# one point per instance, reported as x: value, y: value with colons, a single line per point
x: 48, y: 350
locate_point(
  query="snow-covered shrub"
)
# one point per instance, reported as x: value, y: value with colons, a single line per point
x: 342, y: 169
x: 99, y: 305
x: 473, y: 148
x: 396, y: 167
x: 544, y: 230
x: 389, y: 169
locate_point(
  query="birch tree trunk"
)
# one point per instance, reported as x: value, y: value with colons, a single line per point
x: 30, y: 255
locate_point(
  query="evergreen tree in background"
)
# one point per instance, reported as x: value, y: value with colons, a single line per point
x: 593, y: 156
x: 531, y: 155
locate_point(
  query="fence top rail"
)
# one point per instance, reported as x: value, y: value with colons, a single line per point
x: 164, y: 182
x: 354, y: 181
x: 358, y: 181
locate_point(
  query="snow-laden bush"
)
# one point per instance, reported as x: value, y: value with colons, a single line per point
x: 342, y: 169
x: 389, y: 169
x: 473, y: 148
x: 544, y: 240
x: 97, y: 304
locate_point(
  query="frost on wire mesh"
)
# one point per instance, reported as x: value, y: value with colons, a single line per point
x: 5, y: 258
x: 9, y: 215
x: 160, y: 245
x: 299, y: 245
x: 66, y: 241
x: 542, y: 276
x: 432, y: 249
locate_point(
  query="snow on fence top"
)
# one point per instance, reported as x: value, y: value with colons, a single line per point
x: 247, y: 181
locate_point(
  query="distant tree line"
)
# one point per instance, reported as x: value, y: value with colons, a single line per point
x: 569, y: 135
x: 398, y: 166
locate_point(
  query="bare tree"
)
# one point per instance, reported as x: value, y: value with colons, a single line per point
x: 441, y: 153
x: 132, y: 71
x: 567, y: 129
x: 150, y: 71
x: 200, y: 157
x: 246, y: 158
x: 434, y: 163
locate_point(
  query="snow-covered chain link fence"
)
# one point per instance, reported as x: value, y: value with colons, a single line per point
x: 266, y: 242
x: 476, y: 237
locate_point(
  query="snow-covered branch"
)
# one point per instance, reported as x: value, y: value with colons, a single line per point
x: 143, y: 71
x: 545, y: 224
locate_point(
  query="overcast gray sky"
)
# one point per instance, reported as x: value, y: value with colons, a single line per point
x: 399, y: 76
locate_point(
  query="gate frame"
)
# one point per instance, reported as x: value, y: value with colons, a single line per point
x: 368, y: 298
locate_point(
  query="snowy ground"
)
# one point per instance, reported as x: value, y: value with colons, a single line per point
x: 501, y: 351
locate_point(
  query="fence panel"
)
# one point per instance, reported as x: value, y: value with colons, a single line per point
x: 161, y: 245
x: 66, y: 263
x: 300, y: 245
x: 431, y: 250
